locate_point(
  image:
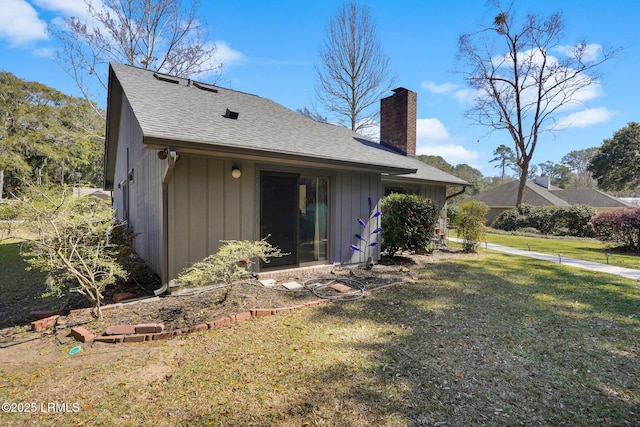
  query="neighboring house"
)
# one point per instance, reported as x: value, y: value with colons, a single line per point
x: 540, y: 192
x: 97, y: 193
x: 191, y: 164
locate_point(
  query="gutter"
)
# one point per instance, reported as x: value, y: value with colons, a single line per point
x: 464, y: 188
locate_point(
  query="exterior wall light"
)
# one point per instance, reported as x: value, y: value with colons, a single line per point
x: 236, y: 172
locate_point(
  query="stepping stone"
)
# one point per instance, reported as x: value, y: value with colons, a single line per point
x: 267, y: 283
x: 340, y: 287
x: 292, y: 285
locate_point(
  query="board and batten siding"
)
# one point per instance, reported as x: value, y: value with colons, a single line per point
x: 352, y: 190
x: 207, y: 205
x: 140, y: 170
x: 437, y: 193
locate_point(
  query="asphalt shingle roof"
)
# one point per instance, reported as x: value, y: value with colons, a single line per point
x: 506, y: 196
x: 590, y: 197
x: 536, y: 195
x: 183, y: 112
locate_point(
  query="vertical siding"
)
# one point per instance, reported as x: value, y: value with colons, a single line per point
x: 437, y: 193
x: 352, y: 189
x: 207, y: 205
x: 145, y: 191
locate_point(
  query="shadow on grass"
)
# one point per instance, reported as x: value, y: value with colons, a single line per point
x: 514, y: 342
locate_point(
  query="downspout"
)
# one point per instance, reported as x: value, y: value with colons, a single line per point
x: 166, y: 177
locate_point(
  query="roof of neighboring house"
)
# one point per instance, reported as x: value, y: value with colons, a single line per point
x: 505, y: 196
x: 590, y: 197
x: 183, y: 113
x: 98, y: 193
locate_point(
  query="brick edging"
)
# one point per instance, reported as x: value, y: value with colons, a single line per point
x: 82, y: 334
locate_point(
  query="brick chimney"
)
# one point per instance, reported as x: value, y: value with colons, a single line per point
x: 398, y: 121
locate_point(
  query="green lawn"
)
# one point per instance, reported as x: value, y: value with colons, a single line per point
x: 585, y: 249
x: 483, y: 339
x: 20, y: 290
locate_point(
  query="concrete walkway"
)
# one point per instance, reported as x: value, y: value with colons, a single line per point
x: 588, y: 265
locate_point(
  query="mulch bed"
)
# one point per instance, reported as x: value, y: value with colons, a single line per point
x: 189, y: 307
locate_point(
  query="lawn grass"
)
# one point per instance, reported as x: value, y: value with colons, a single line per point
x: 20, y: 290
x: 584, y: 249
x: 486, y: 339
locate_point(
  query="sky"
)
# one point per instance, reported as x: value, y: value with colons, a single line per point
x: 270, y: 48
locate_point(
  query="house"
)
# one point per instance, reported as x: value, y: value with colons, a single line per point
x: 96, y: 193
x: 190, y: 164
x: 540, y: 192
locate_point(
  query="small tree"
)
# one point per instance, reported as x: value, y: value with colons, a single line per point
x: 230, y: 264
x: 470, y: 222
x: 408, y: 222
x: 72, y: 242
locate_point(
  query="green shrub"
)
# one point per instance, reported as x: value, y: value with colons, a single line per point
x: 408, y: 222
x: 620, y: 226
x: 528, y: 230
x: 471, y: 224
x: 548, y: 220
x: 577, y: 220
x: 513, y: 219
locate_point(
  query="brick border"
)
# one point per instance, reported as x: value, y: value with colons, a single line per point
x: 152, y: 331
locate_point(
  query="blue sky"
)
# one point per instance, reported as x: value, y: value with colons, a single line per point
x: 270, y: 48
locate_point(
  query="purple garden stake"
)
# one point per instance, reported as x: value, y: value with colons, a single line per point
x: 365, y: 244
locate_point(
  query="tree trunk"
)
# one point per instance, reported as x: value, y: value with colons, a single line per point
x: 1, y: 183
x: 524, y: 173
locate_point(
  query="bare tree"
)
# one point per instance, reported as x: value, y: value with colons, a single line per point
x: 520, y: 86
x: 353, y: 72
x: 159, y: 35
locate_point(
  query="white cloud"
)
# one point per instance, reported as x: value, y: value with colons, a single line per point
x: 584, y: 118
x: 224, y: 55
x: 588, y: 52
x: 433, y: 139
x: 439, y: 88
x: 454, y: 154
x: 462, y: 94
x: 19, y: 23
x: 431, y: 130
x: 465, y: 96
x: 45, y: 53
x: 75, y: 8
x: 227, y: 55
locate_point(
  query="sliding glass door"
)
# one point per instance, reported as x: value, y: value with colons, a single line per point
x: 314, y: 217
x: 294, y: 216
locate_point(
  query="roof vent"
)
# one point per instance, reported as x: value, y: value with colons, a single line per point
x: 165, y: 78
x: 204, y: 87
x: 231, y: 114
